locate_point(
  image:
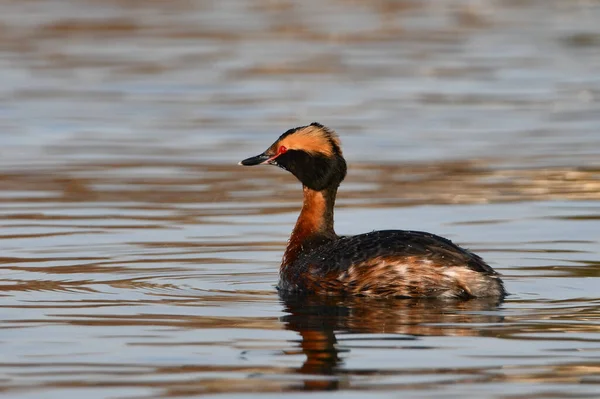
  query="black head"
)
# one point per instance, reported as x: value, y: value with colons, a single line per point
x: 311, y: 153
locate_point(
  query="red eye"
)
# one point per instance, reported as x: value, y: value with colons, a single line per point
x: 281, y: 150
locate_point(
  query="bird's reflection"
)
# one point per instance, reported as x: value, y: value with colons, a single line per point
x: 317, y: 319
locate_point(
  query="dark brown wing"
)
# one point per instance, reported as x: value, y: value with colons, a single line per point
x: 340, y: 255
x: 392, y: 263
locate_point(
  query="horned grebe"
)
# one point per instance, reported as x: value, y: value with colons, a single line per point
x: 387, y: 263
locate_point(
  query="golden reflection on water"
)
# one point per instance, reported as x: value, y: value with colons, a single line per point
x: 367, y: 185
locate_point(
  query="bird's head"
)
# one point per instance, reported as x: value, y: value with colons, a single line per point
x: 311, y: 153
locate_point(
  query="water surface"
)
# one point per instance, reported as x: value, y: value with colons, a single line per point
x: 139, y: 261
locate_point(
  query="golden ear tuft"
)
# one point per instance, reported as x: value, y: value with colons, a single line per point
x: 314, y: 139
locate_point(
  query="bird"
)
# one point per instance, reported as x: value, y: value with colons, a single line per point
x: 379, y: 264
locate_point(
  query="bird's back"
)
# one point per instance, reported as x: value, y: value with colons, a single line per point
x: 392, y: 263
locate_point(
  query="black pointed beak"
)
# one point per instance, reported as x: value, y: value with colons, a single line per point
x: 257, y: 160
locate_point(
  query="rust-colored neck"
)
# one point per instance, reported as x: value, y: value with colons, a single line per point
x: 314, y: 225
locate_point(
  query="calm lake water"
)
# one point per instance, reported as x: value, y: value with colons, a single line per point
x: 139, y: 261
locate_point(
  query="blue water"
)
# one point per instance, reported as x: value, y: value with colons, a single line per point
x: 139, y: 261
